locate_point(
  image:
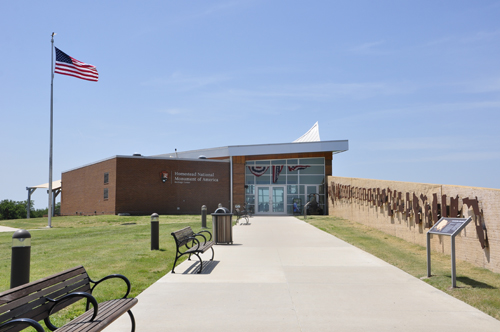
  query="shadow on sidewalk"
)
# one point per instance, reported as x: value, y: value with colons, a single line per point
x: 208, y: 267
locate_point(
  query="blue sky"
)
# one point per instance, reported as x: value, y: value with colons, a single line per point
x: 413, y: 85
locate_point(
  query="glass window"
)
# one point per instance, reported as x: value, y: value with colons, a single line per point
x: 249, y: 179
x: 106, y: 178
x: 307, y: 161
x: 312, y: 179
x: 105, y: 193
x: 281, y: 179
x: 250, y: 199
x: 262, y: 162
x: 292, y: 189
x: 313, y: 170
x: 250, y: 189
x: 292, y: 162
x: 302, y: 190
x: 292, y: 179
x: 290, y: 198
x: 264, y: 179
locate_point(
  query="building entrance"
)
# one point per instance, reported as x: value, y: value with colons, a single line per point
x: 271, y: 199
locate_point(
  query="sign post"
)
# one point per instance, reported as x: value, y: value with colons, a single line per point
x: 450, y: 227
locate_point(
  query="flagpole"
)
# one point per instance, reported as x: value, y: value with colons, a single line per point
x: 51, y: 131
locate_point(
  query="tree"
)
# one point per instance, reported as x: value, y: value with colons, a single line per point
x: 12, y: 210
x: 17, y: 210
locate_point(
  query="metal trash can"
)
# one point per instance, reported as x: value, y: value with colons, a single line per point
x: 222, y: 226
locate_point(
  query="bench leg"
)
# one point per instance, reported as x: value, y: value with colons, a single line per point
x: 212, y: 253
x: 132, y: 319
x: 175, y: 262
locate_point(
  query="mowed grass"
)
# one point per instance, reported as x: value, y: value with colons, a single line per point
x: 104, y: 245
x: 476, y: 286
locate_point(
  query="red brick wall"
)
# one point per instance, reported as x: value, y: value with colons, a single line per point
x: 141, y: 190
x: 83, y: 189
x: 135, y: 187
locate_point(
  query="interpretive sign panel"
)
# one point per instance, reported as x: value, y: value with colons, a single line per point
x: 449, y: 226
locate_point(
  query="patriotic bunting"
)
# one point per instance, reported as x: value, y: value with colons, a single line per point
x: 297, y: 168
x: 258, y: 170
x: 276, y: 172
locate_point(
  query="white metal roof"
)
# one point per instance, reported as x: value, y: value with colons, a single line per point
x: 260, y: 149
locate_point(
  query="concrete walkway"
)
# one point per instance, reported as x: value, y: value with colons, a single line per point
x: 283, y: 274
x: 7, y: 229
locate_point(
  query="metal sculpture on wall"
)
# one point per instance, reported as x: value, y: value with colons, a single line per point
x: 417, y: 207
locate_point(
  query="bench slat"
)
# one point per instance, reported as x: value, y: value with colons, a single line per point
x: 55, y: 291
x: 23, y: 290
x: 109, y: 311
x: 204, y: 246
x: 182, y: 236
x: 29, y: 301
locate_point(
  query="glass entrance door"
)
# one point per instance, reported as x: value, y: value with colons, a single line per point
x: 270, y: 199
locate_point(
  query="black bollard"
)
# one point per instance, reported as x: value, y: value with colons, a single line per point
x: 21, y: 255
x: 155, y: 232
x: 203, y: 216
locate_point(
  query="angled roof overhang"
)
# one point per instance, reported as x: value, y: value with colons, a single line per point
x: 55, y: 185
x: 263, y: 149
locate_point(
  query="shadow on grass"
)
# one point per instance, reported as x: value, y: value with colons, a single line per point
x: 474, y: 283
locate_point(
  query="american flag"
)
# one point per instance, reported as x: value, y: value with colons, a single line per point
x: 67, y: 65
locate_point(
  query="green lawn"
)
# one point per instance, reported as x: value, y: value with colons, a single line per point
x: 103, y: 245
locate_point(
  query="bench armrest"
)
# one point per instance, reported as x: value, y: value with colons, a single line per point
x: 119, y: 276
x: 192, y: 242
x: 199, y: 233
x: 89, y: 297
x: 28, y: 321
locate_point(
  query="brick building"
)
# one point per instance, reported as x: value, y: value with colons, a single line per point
x: 268, y: 178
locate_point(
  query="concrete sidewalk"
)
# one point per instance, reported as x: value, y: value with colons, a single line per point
x: 283, y: 274
x: 7, y: 229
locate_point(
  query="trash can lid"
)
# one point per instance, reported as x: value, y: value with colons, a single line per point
x: 222, y: 210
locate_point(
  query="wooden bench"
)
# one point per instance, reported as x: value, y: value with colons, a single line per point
x: 29, y: 303
x: 187, y: 243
